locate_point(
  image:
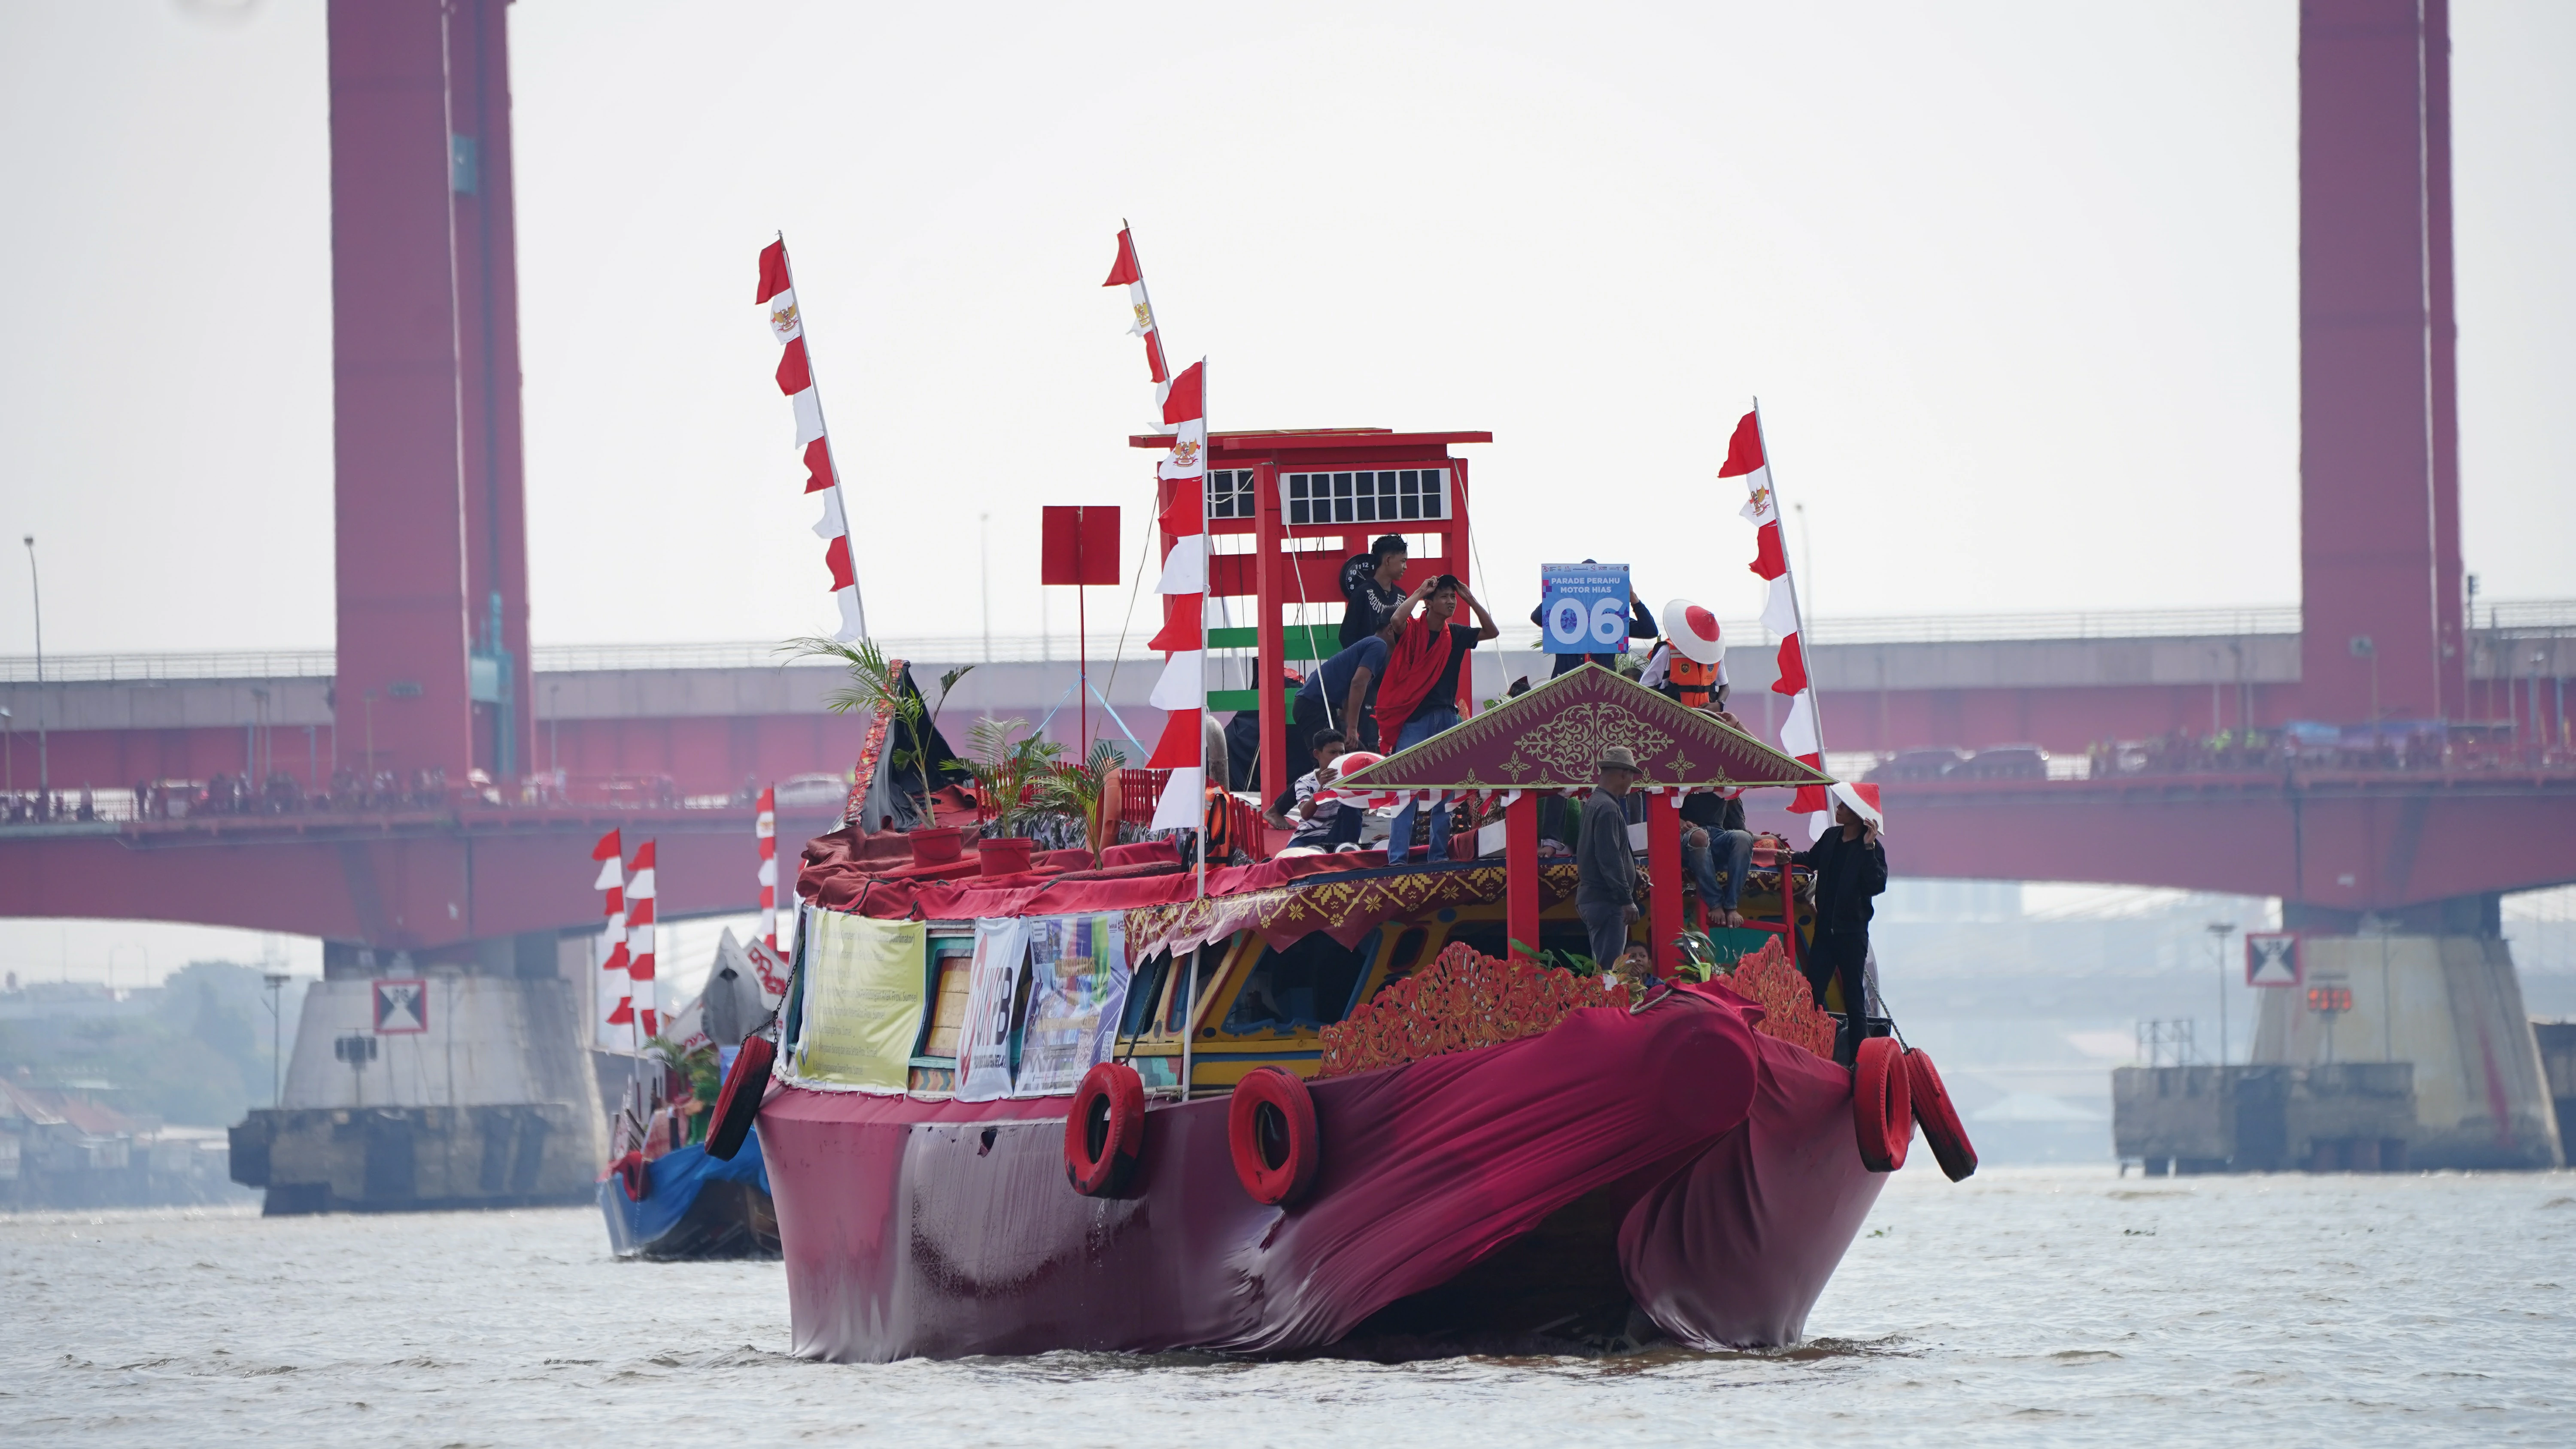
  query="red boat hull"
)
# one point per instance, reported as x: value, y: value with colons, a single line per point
x: 1674, y: 1159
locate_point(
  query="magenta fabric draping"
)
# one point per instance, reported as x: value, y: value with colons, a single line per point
x: 943, y: 1229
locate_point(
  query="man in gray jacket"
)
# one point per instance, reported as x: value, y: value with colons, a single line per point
x: 1605, y: 891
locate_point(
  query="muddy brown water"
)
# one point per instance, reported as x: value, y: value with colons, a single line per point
x: 2030, y: 1306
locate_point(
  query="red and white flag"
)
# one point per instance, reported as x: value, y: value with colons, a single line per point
x: 1801, y: 734
x: 813, y: 444
x: 1181, y: 692
x: 764, y: 828
x: 639, y: 940
x: 1126, y: 273
x: 612, y: 995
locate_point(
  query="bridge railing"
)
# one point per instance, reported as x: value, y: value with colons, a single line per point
x: 2498, y: 617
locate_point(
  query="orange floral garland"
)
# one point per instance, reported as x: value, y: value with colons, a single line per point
x: 1461, y: 1001
x: 1789, y: 1010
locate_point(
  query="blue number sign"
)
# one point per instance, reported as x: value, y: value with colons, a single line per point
x: 1585, y: 608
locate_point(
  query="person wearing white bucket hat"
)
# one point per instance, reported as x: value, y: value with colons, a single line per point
x: 1695, y: 654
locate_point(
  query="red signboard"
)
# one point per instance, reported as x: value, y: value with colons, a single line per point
x: 2329, y: 998
x: 1079, y: 544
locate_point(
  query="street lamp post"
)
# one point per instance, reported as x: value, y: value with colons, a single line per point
x: 111, y: 963
x: 2219, y: 931
x: 44, y: 769
x: 276, y: 1061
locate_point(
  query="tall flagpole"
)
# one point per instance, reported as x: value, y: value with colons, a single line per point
x: 858, y: 595
x: 1797, y: 609
x: 1154, y: 338
x: 1207, y: 578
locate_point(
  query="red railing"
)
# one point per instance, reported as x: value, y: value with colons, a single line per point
x: 1139, y: 789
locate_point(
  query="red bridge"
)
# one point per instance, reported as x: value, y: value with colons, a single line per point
x: 431, y: 786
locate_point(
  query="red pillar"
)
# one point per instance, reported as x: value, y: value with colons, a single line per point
x: 1664, y: 873
x: 2379, y: 478
x: 1270, y: 538
x: 425, y: 405
x: 1520, y: 874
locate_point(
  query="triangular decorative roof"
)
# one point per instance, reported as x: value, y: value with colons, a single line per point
x: 1550, y: 737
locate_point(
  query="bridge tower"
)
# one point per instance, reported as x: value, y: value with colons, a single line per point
x: 431, y: 537
x: 2379, y: 437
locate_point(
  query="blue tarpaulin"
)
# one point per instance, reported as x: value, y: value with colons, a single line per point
x: 674, y: 1181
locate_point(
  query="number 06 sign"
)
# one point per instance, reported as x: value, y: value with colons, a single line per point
x: 1584, y: 608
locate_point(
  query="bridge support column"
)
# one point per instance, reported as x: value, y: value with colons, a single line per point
x: 456, y: 1077
x: 2449, y: 1003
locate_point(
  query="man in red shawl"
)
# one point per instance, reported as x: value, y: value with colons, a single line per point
x: 1419, y: 697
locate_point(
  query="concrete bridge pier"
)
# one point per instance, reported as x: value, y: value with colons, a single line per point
x: 449, y: 1078
x: 2435, y: 987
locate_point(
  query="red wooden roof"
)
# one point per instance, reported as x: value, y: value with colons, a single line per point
x: 1283, y: 440
x: 1550, y: 737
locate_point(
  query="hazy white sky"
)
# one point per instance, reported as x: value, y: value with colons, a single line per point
x: 2016, y: 282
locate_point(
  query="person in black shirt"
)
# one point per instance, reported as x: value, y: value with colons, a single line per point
x: 1714, y: 834
x: 1851, y: 869
x: 1641, y: 625
x: 1372, y: 585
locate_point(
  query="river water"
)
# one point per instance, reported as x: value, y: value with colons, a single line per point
x: 2047, y: 1306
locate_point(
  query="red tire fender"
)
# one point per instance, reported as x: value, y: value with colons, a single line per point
x: 1882, y: 1109
x: 744, y: 1085
x: 1104, y: 1134
x: 1942, y: 1131
x: 1270, y: 1129
x: 634, y: 1175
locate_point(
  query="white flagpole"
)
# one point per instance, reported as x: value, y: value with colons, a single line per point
x: 815, y: 380
x: 1797, y: 614
x: 1155, y: 336
x: 1207, y: 578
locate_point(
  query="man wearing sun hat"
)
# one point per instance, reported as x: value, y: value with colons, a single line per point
x: 1605, y: 888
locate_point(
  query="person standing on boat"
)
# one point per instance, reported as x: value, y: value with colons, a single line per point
x: 1372, y: 586
x: 1851, y: 870
x: 1420, y: 696
x: 1605, y: 887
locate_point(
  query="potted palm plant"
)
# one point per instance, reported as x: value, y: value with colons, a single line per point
x: 1009, y: 773
x: 881, y: 687
x: 1084, y: 790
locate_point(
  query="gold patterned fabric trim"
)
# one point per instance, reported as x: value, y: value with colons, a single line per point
x: 1343, y: 907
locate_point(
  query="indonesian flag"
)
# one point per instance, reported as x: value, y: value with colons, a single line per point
x: 796, y: 379
x: 764, y: 828
x: 1799, y: 733
x: 1126, y: 273
x: 1181, y: 692
x: 639, y: 937
x: 612, y: 993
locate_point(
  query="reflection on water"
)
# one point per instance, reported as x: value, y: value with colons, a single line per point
x: 2034, y: 1306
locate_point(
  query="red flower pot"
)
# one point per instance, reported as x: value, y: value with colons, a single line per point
x: 1007, y: 854
x: 937, y: 845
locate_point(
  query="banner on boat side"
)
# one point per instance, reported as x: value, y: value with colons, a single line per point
x: 1583, y: 608
x: 993, y: 995
x: 863, y: 1001
x: 1077, y: 974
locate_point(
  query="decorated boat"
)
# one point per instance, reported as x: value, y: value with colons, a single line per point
x: 1170, y: 1090
x: 664, y: 1196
